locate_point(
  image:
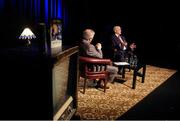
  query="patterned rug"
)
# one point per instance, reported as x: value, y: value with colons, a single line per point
x: 120, y: 97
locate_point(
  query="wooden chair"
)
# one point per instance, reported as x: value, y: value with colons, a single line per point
x: 94, y: 68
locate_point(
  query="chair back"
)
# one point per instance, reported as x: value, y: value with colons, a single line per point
x: 94, y: 68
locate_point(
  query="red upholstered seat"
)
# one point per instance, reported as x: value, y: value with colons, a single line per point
x: 94, y: 68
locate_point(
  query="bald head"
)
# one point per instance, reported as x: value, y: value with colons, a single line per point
x: 117, y: 30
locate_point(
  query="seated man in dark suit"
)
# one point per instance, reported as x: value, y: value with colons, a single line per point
x: 120, y: 45
x: 88, y: 49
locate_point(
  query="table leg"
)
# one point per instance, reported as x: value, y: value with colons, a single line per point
x: 123, y: 72
x: 134, y: 79
x: 143, y: 73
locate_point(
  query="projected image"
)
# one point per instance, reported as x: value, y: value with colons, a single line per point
x: 56, y: 30
x: 56, y: 36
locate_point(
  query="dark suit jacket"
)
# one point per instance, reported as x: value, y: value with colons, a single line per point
x: 116, y: 42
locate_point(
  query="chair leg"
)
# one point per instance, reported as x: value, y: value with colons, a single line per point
x: 84, y: 85
x: 105, y: 83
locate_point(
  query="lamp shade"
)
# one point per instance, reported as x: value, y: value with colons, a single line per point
x: 27, y: 34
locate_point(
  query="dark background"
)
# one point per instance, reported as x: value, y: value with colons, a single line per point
x: 154, y: 26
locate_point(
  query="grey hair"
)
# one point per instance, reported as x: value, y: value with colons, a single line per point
x: 87, y: 33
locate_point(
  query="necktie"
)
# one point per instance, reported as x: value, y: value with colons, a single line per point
x: 122, y: 43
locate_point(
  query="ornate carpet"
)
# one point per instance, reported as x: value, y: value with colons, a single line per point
x: 120, y: 97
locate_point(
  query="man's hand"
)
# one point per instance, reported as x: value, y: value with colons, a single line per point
x: 133, y: 45
x: 99, y: 46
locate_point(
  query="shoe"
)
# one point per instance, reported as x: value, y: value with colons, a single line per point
x: 102, y: 86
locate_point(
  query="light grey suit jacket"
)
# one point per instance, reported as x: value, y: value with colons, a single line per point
x: 88, y: 49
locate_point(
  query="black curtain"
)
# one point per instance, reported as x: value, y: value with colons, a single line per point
x: 18, y: 14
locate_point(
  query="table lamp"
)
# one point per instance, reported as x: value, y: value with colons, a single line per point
x: 27, y: 34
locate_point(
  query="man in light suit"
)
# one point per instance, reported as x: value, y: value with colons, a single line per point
x: 88, y: 49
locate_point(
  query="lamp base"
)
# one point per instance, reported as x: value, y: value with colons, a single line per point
x: 28, y: 43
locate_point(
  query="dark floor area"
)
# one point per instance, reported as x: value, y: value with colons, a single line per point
x: 162, y: 104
